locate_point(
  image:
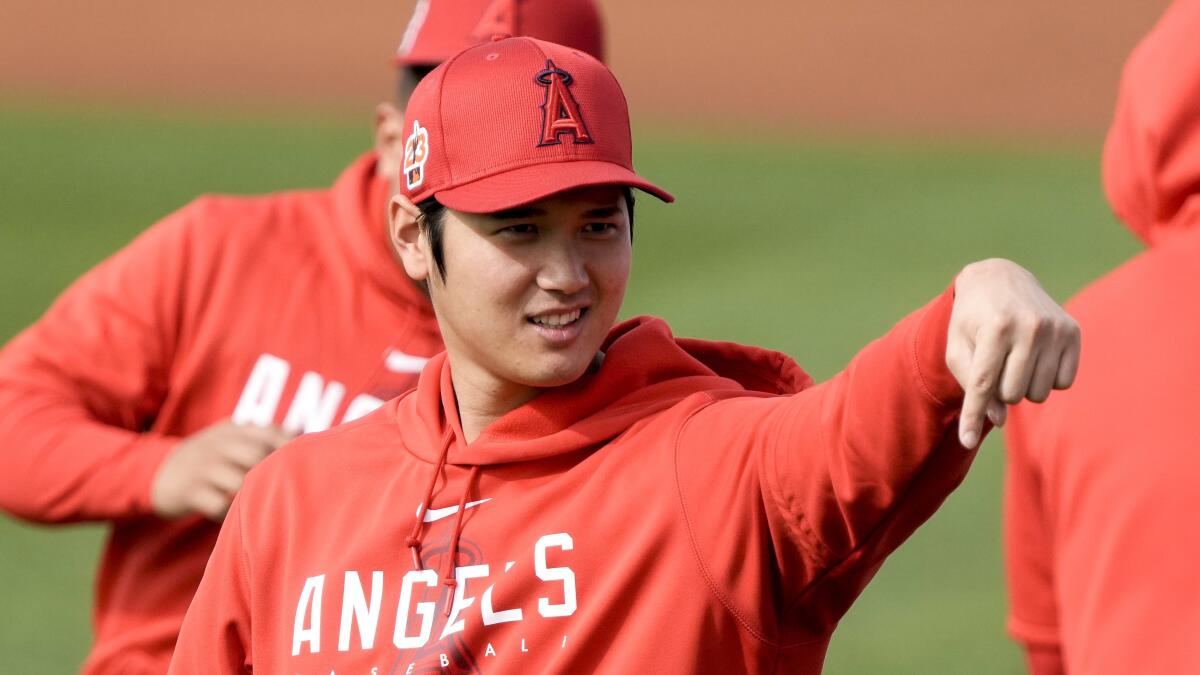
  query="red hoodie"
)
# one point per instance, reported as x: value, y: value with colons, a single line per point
x: 283, y: 309
x: 689, y: 506
x: 1100, y: 524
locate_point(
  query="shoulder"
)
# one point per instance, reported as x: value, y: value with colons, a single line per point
x: 326, y: 461
x: 1146, y: 284
x: 249, y: 217
x: 239, y: 239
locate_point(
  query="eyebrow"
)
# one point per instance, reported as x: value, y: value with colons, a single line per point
x: 603, y: 212
x: 531, y: 212
x: 519, y: 212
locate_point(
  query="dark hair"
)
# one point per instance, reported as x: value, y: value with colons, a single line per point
x: 407, y: 79
x: 433, y: 211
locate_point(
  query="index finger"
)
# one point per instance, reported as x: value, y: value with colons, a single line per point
x: 981, y: 387
x: 272, y: 437
x: 244, y: 453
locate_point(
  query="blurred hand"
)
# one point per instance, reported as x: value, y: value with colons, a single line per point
x: 204, y: 472
x: 1008, y: 341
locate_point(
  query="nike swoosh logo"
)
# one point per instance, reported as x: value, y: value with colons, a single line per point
x: 399, y: 362
x: 434, y: 515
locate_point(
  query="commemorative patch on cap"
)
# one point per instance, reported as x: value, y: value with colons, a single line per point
x: 416, y: 153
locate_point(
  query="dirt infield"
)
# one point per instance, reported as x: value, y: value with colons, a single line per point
x: 1022, y: 66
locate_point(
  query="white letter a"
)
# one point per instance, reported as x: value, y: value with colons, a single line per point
x: 309, y: 605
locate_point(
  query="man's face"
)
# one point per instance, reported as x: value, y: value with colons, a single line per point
x: 530, y: 293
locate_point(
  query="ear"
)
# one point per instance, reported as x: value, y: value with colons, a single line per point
x: 404, y: 234
x: 389, y: 140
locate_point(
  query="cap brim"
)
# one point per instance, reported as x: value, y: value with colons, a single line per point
x: 532, y: 183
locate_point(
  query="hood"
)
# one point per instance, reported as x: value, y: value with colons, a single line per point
x: 645, y: 370
x: 1151, y: 166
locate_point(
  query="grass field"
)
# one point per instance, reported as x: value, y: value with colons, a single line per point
x: 810, y: 248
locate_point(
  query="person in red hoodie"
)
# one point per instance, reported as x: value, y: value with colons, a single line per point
x: 1101, y: 491
x: 560, y: 494
x: 160, y: 377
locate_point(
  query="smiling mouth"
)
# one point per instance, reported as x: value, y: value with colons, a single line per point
x: 560, y: 320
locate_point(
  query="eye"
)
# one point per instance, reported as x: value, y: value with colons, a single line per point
x: 600, y: 229
x: 519, y: 230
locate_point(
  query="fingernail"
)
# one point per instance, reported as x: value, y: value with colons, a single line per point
x: 969, y: 439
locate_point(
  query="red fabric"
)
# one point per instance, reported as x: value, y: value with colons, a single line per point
x: 1101, y: 499
x: 478, y: 125
x: 1151, y: 163
x: 1044, y: 661
x: 656, y: 516
x: 160, y: 341
x: 440, y: 29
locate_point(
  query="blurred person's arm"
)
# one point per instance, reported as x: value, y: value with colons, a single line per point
x: 1044, y: 660
x: 81, y: 388
x: 1029, y: 554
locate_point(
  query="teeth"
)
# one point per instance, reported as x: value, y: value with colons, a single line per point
x: 557, y: 320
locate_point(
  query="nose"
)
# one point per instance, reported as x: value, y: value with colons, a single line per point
x: 563, y: 270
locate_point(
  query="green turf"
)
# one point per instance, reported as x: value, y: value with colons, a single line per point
x: 810, y: 248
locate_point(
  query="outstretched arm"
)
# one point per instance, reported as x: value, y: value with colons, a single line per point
x: 838, y: 476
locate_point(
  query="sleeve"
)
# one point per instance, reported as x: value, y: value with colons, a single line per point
x: 80, y: 388
x: 1029, y: 551
x: 215, y: 636
x: 814, y: 490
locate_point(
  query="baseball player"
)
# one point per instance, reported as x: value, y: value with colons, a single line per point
x: 560, y: 494
x: 160, y: 377
x: 1101, y: 498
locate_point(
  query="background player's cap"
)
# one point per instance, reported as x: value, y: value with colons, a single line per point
x: 440, y: 29
x: 515, y: 120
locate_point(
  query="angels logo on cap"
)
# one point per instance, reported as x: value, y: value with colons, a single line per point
x: 560, y: 112
x: 416, y: 151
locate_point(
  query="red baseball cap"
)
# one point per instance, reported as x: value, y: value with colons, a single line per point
x: 440, y: 29
x: 513, y: 121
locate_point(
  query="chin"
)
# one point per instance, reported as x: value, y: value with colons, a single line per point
x: 557, y: 374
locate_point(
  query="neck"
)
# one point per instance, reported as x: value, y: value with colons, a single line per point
x: 483, y: 399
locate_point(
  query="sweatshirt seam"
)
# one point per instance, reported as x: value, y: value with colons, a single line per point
x: 915, y: 360
x: 868, y: 540
x: 1033, y: 632
x: 715, y: 588
x: 249, y: 573
x: 915, y: 364
x: 160, y: 447
x: 814, y: 549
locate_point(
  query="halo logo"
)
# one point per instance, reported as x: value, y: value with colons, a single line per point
x: 560, y: 111
x: 416, y: 152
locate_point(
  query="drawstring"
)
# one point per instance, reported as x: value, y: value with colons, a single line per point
x: 449, y: 581
x: 414, y: 542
